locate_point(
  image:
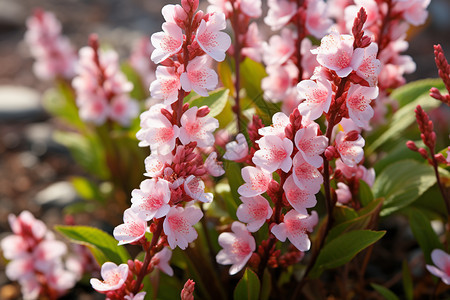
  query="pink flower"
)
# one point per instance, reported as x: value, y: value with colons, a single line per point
x: 256, y: 181
x: 311, y: 145
x: 251, y: 8
x: 237, y: 247
x: 157, y: 132
x: 155, y: 164
x: 161, y: 261
x: 27, y: 224
x: 166, y: 43
x: 295, y: 227
x: 280, y: 48
x: 122, y: 109
x: 132, y: 230
x: 199, y: 77
x: 139, y: 296
x: 309, y: 61
x: 448, y: 155
x: 317, y: 21
x: 178, y: 226
x: 53, y: 52
x: 140, y: 61
x: 166, y: 85
x: 280, y: 13
x: 358, y: 103
x: 317, y: 95
x: 372, y: 10
x: 442, y: 262
x: 213, y: 166
x: 209, y: 37
x: 48, y: 253
x: 174, y: 13
x: 371, y: 66
x: 197, y: 129
x: 279, y: 123
x: 413, y: 11
x: 337, y: 54
x: 113, y: 277
x: 274, y: 153
x: 253, y: 44
x: 254, y: 211
x: 20, y: 268
x: 151, y: 200
x: 351, y: 152
x: 305, y: 176
x: 358, y: 172
x: 343, y: 193
x: 14, y: 247
x: 236, y: 150
x: 279, y: 83
x: 298, y: 198
x: 195, y: 188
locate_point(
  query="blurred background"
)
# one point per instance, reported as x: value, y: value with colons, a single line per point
x: 34, y: 169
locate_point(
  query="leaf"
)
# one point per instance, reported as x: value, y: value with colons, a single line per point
x: 399, y: 152
x: 216, y: 101
x: 104, y: 245
x: 386, y: 293
x: 343, y: 248
x: 266, y: 285
x: 248, y: 287
x: 424, y: 233
x: 365, y: 193
x: 86, y: 150
x: 86, y: 189
x: 413, y: 90
x: 226, y: 75
x: 139, y: 92
x: 407, y: 281
x: 60, y: 103
x: 403, y: 118
x: 402, y: 183
x: 233, y: 174
x: 252, y: 74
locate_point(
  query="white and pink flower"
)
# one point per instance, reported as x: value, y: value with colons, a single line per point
x: 195, y: 188
x: 254, y: 211
x: 295, y: 227
x: 280, y: 13
x: 279, y: 123
x: 178, y: 226
x: 166, y: 43
x: 213, y: 166
x: 311, y: 145
x: 199, y: 77
x: 114, y: 277
x: 236, y: 150
x: 358, y: 103
x: 305, y: 176
x: 317, y: 95
x: 132, y: 230
x: 317, y: 21
x: 351, y: 152
x: 299, y: 199
x: 151, y: 200
x: 274, y: 153
x: 370, y: 66
x: 209, y: 37
x: 280, y: 48
x: 197, y: 129
x: 161, y: 261
x: 166, y: 85
x: 237, y: 247
x: 257, y: 181
x: 442, y: 265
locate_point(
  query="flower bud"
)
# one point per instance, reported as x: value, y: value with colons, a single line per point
x: 330, y: 153
x: 187, y: 293
x: 203, y: 111
x: 412, y: 146
x: 440, y: 158
x: 352, y: 136
x: 423, y: 152
x: 189, y: 6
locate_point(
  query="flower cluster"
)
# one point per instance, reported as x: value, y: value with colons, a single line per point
x: 55, y: 56
x: 175, y: 134
x: 287, y: 56
x: 101, y: 89
x: 36, y: 258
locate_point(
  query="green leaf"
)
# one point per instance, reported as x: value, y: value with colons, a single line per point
x: 403, y: 118
x: 343, y: 248
x: 86, y: 189
x: 408, y: 92
x: 86, y: 150
x: 424, y: 233
x: 399, y: 152
x: 386, y: 293
x: 139, y: 92
x: 402, y: 183
x: 248, y: 287
x: 60, y: 102
x: 266, y: 285
x: 216, y: 101
x: 407, y: 281
x: 252, y: 74
x: 233, y: 174
x: 103, y: 246
x: 365, y: 193
x: 226, y: 75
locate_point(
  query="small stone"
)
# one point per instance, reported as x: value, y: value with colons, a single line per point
x: 59, y: 194
x: 19, y: 103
